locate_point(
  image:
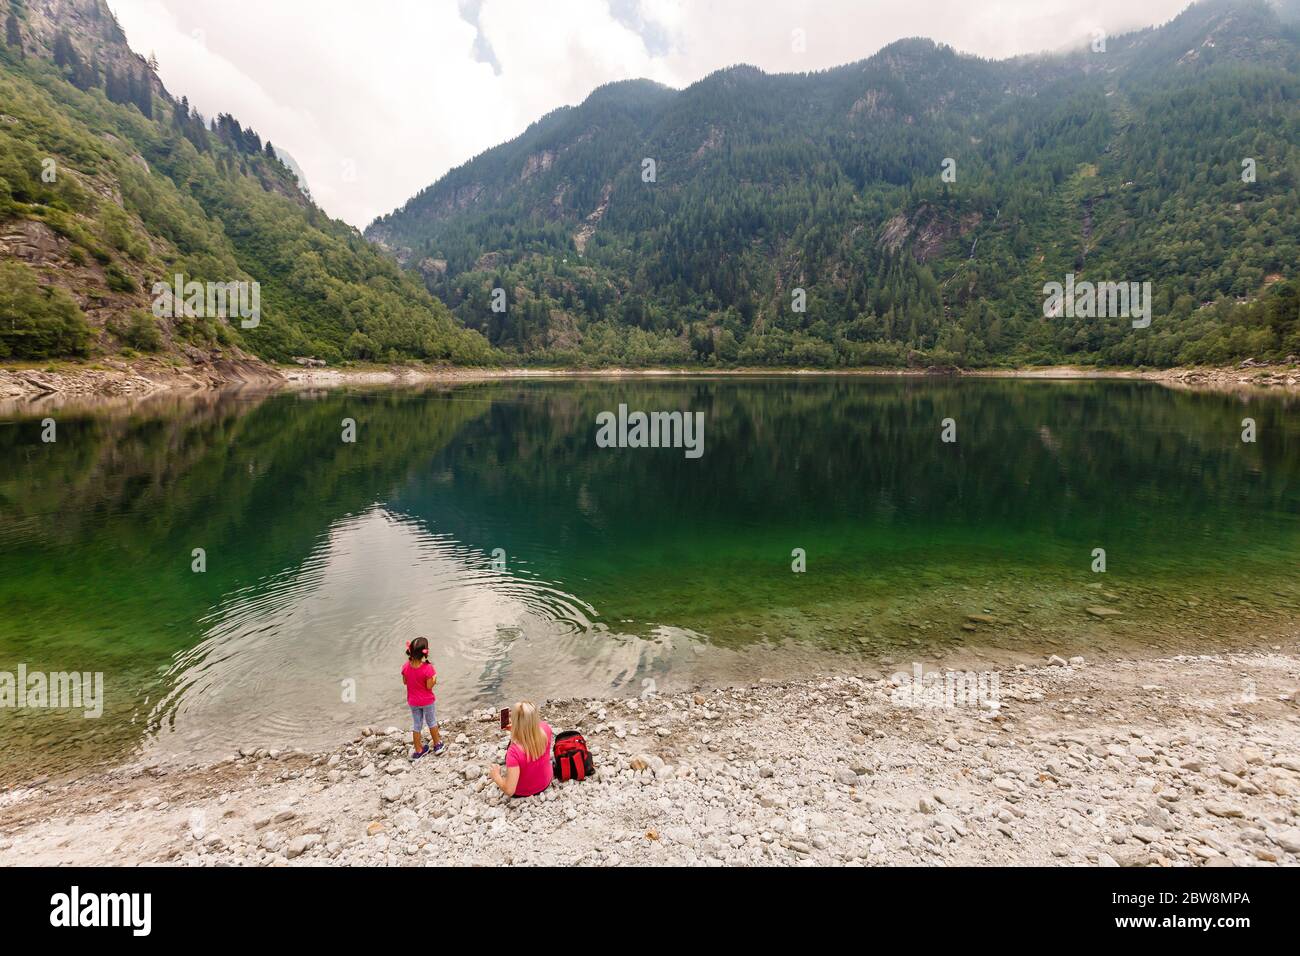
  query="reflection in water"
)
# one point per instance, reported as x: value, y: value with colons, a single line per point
x: 323, y: 643
x: 617, y: 566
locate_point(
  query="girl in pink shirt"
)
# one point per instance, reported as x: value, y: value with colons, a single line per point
x: 528, y: 758
x: 419, y: 677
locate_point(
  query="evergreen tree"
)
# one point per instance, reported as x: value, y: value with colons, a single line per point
x: 197, y: 132
x: 143, y: 97
x: 13, y: 36
x: 81, y: 74
x: 115, y: 87
x: 62, y: 49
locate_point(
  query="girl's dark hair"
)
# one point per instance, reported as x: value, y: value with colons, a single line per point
x: 418, y: 649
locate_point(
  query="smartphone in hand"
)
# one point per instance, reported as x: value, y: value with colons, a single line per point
x: 505, y: 718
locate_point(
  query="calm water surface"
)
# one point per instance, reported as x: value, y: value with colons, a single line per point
x: 485, y: 517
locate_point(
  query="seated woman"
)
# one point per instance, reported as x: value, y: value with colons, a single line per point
x: 528, y: 758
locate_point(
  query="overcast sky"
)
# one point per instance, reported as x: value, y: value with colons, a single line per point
x: 378, y: 98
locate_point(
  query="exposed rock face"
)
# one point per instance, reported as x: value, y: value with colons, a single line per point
x: 383, y: 238
x: 208, y: 370
x: 431, y: 268
x: 711, y: 142
x: 537, y: 163
x: 870, y: 106
x: 32, y: 241
x: 463, y: 197
x: 926, y: 231
x: 50, y: 256
x: 93, y: 30
x: 588, y: 227
x: 563, y: 332
x: 489, y: 261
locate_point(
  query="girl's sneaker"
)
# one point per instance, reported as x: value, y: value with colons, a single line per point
x: 439, y: 750
x: 417, y: 756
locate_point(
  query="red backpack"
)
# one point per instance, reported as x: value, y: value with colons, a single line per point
x: 572, y: 758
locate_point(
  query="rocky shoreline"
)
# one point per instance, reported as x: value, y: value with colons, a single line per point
x: 1182, y: 761
x: 115, y: 377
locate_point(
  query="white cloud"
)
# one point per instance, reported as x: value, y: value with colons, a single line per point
x: 394, y: 88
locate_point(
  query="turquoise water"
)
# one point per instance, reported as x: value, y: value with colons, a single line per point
x: 486, y: 518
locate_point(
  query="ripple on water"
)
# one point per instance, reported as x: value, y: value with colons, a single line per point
x: 283, y: 661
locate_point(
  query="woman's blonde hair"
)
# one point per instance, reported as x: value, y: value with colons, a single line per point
x: 526, y: 729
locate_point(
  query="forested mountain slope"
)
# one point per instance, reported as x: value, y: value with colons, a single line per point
x: 1125, y: 164
x: 109, y: 185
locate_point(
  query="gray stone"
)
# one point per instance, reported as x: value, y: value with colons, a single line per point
x: 300, y: 845
x: 1289, y: 840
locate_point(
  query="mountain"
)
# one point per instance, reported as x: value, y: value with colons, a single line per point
x: 1119, y: 161
x: 109, y: 185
